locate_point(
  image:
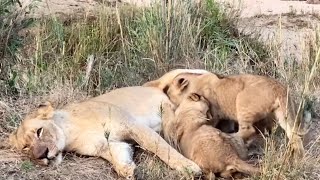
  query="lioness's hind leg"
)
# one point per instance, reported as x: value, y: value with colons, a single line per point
x: 120, y: 155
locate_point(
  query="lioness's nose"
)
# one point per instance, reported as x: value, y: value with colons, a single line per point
x: 40, y: 152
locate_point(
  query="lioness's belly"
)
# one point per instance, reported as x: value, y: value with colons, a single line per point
x: 143, y: 103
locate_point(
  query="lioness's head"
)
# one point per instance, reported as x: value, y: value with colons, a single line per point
x: 193, y: 102
x: 39, y: 136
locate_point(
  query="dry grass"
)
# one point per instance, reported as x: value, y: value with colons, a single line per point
x: 75, y: 167
x: 130, y: 46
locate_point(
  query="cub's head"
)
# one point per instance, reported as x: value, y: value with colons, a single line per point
x: 39, y: 136
x: 194, y: 102
x: 164, y: 81
x: 180, y: 87
x: 183, y: 84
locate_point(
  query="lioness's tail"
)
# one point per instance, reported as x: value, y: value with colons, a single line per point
x: 167, y: 78
x: 292, y: 122
x: 246, y: 168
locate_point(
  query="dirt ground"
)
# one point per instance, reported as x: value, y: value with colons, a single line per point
x: 252, y: 8
x: 288, y: 24
x: 285, y: 23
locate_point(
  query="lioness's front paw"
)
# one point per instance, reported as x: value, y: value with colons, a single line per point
x: 127, y: 171
x: 190, y: 168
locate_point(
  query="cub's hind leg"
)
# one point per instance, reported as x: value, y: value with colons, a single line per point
x: 292, y: 133
x: 227, y: 173
x: 210, y: 176
x: 246, y: 130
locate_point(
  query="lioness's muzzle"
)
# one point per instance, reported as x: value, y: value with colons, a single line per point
x: 40, y: 152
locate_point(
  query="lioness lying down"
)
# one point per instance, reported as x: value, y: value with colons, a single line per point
x: 101, y: 126
x: 213, y: 150
x: 246, y: 99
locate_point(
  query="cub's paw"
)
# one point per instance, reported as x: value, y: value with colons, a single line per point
x: 168, y: 105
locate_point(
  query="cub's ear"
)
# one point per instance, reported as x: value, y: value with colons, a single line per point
x: 220, y: 76
x: 209, y: 115
x: 182, y: 83
x: 45, y: 111
x: 194, y: 97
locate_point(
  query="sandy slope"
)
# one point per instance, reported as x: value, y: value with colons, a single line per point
x: 252, y: 8
x: 287, y: 23
x: 298, y: 19
x: 249, y: 8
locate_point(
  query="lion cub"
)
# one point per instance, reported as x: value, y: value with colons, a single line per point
x: 214, y: 151
x: 246, y: 99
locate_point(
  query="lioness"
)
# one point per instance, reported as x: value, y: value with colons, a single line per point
x: 246, y: 99
x: 101, y: 126
x: 213, y: 150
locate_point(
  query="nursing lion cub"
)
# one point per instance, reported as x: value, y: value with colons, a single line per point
x: 247, y: 99
x: 214, y: 151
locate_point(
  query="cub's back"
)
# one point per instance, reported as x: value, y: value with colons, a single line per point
x: 207, y: 146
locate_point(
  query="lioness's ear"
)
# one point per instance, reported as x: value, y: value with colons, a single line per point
x: 12, y: 140
x: 45, y: 111
x: 182, y: 83
x: 194, y: 97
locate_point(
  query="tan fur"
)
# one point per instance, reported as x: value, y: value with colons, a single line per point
x: 167, y: 78
x: 101, y: 126
x: 213, y: 150
x: 246, y: 99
